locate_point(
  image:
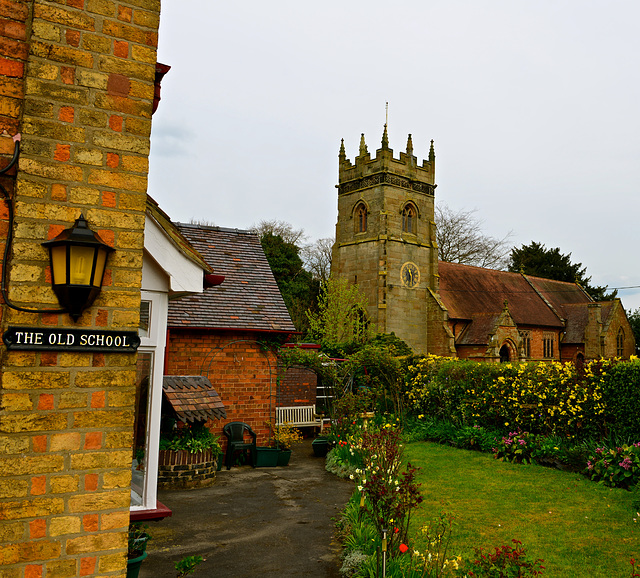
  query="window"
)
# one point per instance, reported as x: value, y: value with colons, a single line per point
x: 409, y: 219
x: 620, y: 343
x: 144, y: 466
x: 526, y: 343
x: 140, y: 466
x: 145, y: 318
x: 547, y: 346
x: 361, y: 218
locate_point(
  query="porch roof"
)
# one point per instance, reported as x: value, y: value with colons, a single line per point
x: 193, y: 397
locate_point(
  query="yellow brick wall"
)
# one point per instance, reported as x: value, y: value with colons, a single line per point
x: 77, y: 81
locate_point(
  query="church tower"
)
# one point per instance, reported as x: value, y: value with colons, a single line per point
x: 385, y: 239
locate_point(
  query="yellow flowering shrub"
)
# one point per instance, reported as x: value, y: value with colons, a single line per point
x: 548, y: 398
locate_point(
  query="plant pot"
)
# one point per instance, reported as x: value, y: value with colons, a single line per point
x: 283, y: 457
x: 133, y: 565
x: 320, y: 447
x: 267, y: 457
x: 220, y: 460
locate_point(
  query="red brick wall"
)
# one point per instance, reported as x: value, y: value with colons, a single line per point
x: 241, y: 371
x: 297, y: 386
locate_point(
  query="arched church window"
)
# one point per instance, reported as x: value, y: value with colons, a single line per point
x: 361, y: 218
x: 620, y: 343
x: 409, y: 219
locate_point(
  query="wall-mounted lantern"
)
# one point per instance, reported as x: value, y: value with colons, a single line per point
x: 78, y: 259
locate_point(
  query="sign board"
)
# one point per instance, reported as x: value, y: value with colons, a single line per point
x: 60, y: 339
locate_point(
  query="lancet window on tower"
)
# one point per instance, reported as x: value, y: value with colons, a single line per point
x: 409, y: 218
x: 361, y: 218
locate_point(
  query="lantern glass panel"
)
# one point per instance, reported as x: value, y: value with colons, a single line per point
x: 100, y: 264
x: 81, y: 265
x: 59, y: 264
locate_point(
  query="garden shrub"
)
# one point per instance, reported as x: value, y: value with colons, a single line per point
x: 621, y: 391
x: 541, y: 398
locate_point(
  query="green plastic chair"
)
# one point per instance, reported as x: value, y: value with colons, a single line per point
x: 235, y: 432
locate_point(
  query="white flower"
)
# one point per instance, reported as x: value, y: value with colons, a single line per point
x: 351, y: 476
x: 359, y: 488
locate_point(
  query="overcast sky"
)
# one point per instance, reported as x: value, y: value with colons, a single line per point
x: 533, y: 107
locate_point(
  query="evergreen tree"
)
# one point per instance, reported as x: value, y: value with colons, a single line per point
x: 299, y: 289
x: 535, y: 259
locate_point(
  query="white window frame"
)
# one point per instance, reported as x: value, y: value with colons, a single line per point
x: 155, y: 343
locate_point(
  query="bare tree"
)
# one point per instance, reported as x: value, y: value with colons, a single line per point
x: 317, y: 258
x: 461, y: 240
x: 282, y: 229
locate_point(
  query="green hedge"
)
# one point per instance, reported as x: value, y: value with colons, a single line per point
x: 553, y: 398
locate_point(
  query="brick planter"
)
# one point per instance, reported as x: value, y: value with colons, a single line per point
x: 182, y: 469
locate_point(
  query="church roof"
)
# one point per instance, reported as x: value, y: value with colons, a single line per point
x: 248, y: 299
x: 477, y: 332
x: 468, y: 291
x: 577, y: 317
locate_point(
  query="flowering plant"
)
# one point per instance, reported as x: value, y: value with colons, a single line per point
x: 285, y: 435
x: 193, y: 438
x: 616, y: 467
x: 517, y: 447
x: 389, y: 493
x: 505, y: 561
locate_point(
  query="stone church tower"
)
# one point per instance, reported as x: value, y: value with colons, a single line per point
x: 386, y: 242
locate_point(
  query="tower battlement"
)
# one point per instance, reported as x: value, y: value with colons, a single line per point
x: 415, y: 176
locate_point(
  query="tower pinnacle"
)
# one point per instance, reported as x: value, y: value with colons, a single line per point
x: 385, y: 138
x: 363, y: 146
x: 409, y: 146
x: 342, y: 155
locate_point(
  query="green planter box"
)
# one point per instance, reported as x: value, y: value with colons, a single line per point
x: 267, y: 457
x: 283, y: 457
x: 320, y: 447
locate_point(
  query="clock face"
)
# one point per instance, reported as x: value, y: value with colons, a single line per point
x: 410, y: 275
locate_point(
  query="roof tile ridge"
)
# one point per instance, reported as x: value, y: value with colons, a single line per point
x: 216, y: 228
x: 544, y: 299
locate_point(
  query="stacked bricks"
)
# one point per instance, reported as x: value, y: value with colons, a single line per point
x: 242, y: 372
x: 296, y: 386
x: 182, y: 469
x: 78, y: 84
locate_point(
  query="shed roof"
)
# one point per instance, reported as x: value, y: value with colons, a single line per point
x: 249, y: 298
x: 193, y: 397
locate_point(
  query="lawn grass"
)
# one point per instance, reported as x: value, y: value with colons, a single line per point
x: 579, y: 528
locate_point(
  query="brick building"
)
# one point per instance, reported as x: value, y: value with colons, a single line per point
x: 386, y: 243
x: 78, y: 85
x: 224, y: 333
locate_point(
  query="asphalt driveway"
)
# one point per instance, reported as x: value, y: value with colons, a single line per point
x: 267, y: 522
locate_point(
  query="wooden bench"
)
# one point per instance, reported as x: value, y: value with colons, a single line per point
x: 300, y: 416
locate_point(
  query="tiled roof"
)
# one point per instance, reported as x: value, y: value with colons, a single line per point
x: 193, y: 397
x: 477, y: 332
x: 559, y: 293
x: 577, y: 316
x: 248, y: 299
x: 469, y: 291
